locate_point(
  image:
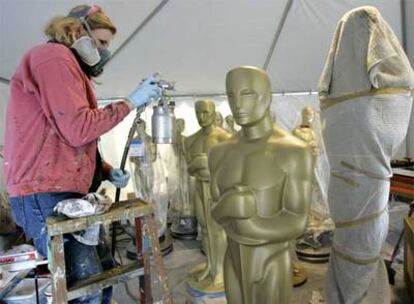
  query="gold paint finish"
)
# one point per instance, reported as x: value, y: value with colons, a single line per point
x: 261, y: 189
x: 210, y: 277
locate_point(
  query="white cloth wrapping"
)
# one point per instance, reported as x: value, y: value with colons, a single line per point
x: 364, y: 54
x: 362, y: 132
x: 361, y: 135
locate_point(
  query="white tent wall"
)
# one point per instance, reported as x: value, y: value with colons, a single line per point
x: 195, y: 43
x: 22, y: 23
x: 409, y: 34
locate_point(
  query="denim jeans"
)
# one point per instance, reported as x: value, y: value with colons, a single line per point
x: 31, y: 211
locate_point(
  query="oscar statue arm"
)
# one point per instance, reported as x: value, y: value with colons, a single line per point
x: 214, y: 188
x: 198, y: 167
x: 237, y: 202
x: 186, y: 145
x: 290, y: 221
x: 197, y: 164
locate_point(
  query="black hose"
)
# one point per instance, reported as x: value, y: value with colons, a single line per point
x: 131, y: 133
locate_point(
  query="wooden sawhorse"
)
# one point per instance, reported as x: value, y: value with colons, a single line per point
x: 146, y: 232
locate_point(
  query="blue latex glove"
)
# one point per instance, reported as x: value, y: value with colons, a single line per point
x: 142, y: 95
x: 119, y: 178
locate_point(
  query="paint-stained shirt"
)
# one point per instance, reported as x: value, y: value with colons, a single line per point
x: 53, y: 123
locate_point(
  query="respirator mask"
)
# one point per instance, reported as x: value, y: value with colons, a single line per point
x: 95, y: 58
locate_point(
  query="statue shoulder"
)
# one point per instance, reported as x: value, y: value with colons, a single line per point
x: 296, y: 131
x: 290, y: 147
x: 296, y: 157
x: 288, y: 140
x: 189, y: 140
x: 221, y: 147
x: 222, y: 134
x: 218, y: 151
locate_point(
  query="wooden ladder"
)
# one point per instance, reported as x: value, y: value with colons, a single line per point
x: 146, y: 241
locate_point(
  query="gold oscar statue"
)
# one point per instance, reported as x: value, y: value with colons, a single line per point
x: 319, y: 218
x: 208, y: 279
x: 219, y: 120
x: 230, y: 124
x: 305, y: 131
x: 261, y: 186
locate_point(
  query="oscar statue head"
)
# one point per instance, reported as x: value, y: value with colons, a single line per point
x: 308, y: 115
x: 180, y: 125
x: 219, y: 119
x: 230, y: 121
x: 205, y: 112
x: 249, y: 94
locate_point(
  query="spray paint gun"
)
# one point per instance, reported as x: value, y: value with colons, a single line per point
x: 163, y: 126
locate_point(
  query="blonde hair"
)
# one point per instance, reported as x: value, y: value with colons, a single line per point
x: 99, y: 20
x: 66, y: 30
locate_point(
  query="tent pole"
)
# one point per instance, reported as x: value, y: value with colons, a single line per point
x: 154, y: 12
x: 403, y: 26
x: 4, y: 80
x: 277, y: 34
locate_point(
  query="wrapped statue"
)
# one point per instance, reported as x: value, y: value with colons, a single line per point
x: 365, y: 96
x: 168, y: 159
x: 143, y: 153
x: 261, y: 184
x: 184, y: 223
x: 208, y: 278
x: 150, y: 184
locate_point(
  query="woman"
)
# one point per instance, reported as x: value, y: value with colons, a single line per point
x: 52, y: 128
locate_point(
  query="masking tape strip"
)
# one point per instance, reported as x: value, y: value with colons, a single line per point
x: 354, y: 260
x: 360, y: 221
x: 326, y: 102
x: 347, y: 180
x: 364, y: 172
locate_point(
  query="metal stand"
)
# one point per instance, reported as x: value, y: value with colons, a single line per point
x: 184, y: 227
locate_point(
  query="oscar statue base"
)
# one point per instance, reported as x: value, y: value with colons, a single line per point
x: 315, y: 248
x: 299, y: 275
x: 203, y: 288
x: 184, y: 228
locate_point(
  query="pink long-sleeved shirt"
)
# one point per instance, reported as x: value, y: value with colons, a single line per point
x: 53, y: 123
